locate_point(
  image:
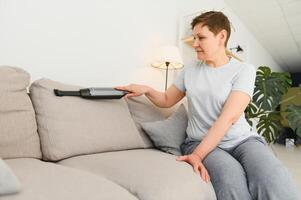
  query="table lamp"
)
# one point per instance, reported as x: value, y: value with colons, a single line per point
x: 167, y: 57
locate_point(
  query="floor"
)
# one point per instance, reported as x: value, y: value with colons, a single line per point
x: 291, y: 158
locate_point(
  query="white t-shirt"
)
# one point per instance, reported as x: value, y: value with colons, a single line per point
x: 207, y: 89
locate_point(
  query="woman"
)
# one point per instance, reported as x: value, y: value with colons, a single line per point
x: 219, y: 145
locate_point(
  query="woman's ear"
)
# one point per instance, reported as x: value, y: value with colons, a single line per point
x: 223, y: 36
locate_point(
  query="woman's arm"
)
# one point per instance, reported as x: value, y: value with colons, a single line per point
x: 165, y: 99
x: 233, y: 108
x: 161, y: 99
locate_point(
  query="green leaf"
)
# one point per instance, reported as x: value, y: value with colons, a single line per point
x: 269, y: 87
x: 294, y: 117
x: 269, y: 126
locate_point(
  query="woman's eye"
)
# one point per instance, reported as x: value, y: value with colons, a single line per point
x: 198, y: 38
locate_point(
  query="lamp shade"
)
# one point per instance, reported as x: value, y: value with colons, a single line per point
x: 170, y: 55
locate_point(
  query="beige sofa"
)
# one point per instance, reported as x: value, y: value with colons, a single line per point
x: 71, y: 148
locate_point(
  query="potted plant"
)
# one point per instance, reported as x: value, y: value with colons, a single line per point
x: 264, y: 107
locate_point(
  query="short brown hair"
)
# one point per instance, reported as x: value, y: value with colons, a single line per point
x: 216, y: 22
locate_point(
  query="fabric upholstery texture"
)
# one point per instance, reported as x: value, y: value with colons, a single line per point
x: 70, y: 126
x: 168, y: 134
x: 143, y: 110
x: 48, y: 181
x: 148, y: 173
x: 18, y: 128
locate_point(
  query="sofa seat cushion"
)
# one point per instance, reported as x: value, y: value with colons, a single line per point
x: 18, y: 128
x: 48, y: 181
x: 148, y: 173
x: 70, y: 126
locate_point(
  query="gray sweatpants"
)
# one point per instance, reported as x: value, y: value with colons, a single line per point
x: 247, y: 171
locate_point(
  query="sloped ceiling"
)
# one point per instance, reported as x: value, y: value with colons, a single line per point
x: 277, y: 26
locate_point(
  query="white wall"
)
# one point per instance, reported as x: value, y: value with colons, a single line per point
x: 256, y: 53
x: 89, y: 42
x: 98, y: 42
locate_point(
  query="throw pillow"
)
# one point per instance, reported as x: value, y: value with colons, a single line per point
x: 9, y: 183
x: 143, y: 110
x: 167, y: 135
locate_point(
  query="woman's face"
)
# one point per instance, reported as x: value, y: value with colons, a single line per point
x: 207, y: 45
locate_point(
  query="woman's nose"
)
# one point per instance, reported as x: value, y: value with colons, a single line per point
x: 195, y: 43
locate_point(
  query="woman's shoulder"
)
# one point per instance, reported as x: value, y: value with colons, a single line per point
x: 243, y: 66
x: 244, y: 70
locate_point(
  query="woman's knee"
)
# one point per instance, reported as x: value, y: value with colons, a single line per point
x: 227, y: 176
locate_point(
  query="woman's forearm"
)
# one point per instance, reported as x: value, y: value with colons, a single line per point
x: 214, y: 136
x: 158, y: 98
x: 232, y: 110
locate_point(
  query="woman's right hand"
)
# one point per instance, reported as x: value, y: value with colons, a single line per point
x: 134, y: 89
x: 198, y: 167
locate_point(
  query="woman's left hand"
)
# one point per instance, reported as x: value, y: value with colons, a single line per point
x: 198, y: 167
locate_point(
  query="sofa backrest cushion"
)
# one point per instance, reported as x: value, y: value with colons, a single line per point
x: 70, y: 126
x: 18, y: 128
